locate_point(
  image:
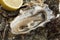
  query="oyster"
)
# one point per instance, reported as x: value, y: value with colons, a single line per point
x: 31, y: 18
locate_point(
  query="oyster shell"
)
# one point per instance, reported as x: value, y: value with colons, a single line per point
x: 31, y: 18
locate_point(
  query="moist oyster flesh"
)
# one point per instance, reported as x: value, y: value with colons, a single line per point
x: 27, y: 17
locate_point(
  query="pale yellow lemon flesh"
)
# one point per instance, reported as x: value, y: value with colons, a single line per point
x: 11, y: 5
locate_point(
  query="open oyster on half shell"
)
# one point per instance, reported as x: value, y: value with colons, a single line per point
x: 31, y: 18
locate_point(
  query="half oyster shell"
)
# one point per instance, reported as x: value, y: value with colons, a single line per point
x: 31, y: 18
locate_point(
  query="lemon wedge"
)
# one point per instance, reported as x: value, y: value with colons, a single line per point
x: 11, y: 5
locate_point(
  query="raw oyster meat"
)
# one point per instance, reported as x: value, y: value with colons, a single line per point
x: 31, y: 18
